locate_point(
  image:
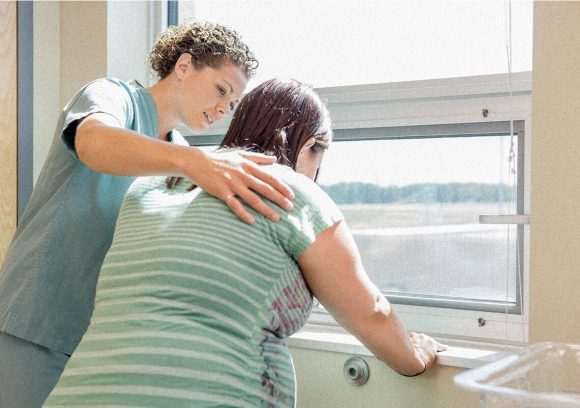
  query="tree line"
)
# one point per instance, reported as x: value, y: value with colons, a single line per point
x: 368, y: 193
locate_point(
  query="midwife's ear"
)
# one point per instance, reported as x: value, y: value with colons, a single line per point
x: 183, y: 64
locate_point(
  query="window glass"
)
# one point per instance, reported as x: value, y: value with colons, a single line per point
x: 335, y: 43
x: 413, y: 206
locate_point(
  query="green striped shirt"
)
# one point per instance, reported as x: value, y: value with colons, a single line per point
x: 193, y: 306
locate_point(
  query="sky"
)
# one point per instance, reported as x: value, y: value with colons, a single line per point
x: 335, y: 43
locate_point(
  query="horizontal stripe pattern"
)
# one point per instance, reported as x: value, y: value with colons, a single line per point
x: 193, y: 306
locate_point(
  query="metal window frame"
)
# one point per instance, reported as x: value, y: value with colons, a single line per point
x: 172, y: 12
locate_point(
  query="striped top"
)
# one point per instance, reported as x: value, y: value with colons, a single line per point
x: 193, y: 306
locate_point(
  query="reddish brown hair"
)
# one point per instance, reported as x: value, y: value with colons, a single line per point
x: 278, y: 117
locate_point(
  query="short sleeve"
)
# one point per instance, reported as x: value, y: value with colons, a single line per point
x: 313, y: 212
x: 105, y: 95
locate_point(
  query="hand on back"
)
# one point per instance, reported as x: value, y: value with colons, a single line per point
x: 237, y: 177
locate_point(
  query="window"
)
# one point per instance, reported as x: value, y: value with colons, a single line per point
x: 437, y: 198
x: 415, y: 217
x: 431, y: 107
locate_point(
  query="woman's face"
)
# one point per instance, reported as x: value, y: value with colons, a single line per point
x: 208, y: 94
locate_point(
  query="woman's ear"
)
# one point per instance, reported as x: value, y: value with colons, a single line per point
x: 308, y: 161
x: 309, y: 143
x: 184, y: 62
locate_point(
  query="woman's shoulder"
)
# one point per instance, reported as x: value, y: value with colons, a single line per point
x: 307, y: 193
x: 295, y: 180
x: 110, y: 91
x: 108, y: 84
x: 110, y: 95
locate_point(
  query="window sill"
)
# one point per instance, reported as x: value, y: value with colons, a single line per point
x: 458, y: 354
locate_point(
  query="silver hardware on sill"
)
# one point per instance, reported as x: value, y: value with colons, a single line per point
x: 518, y: 219
x: 356, y: 371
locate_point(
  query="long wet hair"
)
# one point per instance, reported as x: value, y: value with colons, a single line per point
x: 278, y: 117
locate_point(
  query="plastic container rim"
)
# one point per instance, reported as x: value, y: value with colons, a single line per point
x: 470, y: 379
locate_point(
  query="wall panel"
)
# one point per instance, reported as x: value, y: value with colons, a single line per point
x: 8, y: 124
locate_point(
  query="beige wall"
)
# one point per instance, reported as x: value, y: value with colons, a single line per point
x: 122, y: 26
x: 555, y: 198
x: 82, y: 56
x: 93, y: 39
x: 46, y: 78
x: 8, y: 120
x: 555, y: 230
x: 66, y: 56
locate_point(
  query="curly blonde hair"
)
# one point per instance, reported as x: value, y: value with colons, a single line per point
x: 208, y: 43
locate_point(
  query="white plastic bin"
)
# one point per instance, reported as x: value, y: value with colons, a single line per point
x: 543, y: 375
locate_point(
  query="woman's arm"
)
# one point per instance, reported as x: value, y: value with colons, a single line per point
x: 105, y: 147
x: 333, y: 270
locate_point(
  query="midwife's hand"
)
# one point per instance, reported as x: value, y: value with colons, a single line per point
x: 234, y: 177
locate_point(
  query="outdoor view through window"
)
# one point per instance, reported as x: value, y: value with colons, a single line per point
x: 415, y: 219
x: 413, y: 204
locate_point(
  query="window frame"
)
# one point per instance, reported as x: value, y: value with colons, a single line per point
x: 460, y: 130
x: 449, y: 107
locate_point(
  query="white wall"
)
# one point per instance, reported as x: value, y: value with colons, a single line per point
x: 128, y: 39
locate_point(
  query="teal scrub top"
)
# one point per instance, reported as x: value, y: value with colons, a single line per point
x: 48, y: 279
